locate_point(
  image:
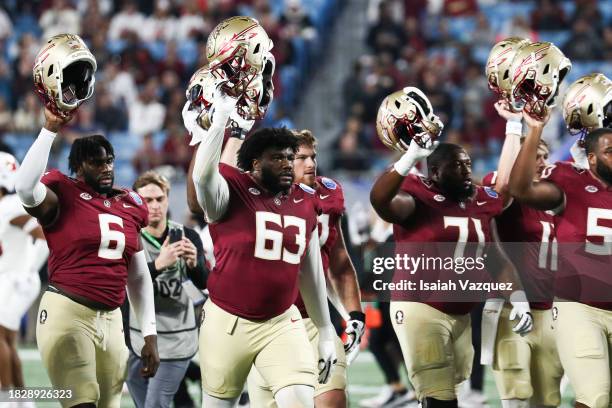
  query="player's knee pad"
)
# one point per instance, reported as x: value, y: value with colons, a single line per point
x: 429, y: 402
x: 295, y: 396
x: 515, y: 403
x: 208, y: 401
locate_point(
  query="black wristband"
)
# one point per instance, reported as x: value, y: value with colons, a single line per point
x: 355, y: 315
x: 236, y: 131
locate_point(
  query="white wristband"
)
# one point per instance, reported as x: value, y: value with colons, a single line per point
x: 514, y: 127
x: 518, y: 296
x: 404, y: 165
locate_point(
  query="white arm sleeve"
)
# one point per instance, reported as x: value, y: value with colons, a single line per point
x: 211, y: 188
x: 312, y: 284
x: 140, y: 293
x: 27, y: 183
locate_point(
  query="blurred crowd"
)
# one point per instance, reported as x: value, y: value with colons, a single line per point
x: 441, y: 47
x: 146, y: 51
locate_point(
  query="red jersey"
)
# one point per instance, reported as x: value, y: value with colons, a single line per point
x: 331, y: 202
x: 584, y: 233
x: 259, y: 245
x: 93, y: 239
x: 535, y: 257
x: 438, y: 219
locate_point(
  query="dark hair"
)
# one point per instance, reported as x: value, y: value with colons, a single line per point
x: 86, y: 148
x: 263, y: 139
x: 442, y: 154
x: 592, y: 139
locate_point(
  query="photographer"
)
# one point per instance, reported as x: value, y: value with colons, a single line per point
x: 176, y: 263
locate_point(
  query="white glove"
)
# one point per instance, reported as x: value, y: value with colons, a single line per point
x: 579, y: 155
x: 190, y: 117
x: 520, y: 309
x: 327, y: 354
x: 355, y: 329
x: 413, y: 155
x: 222, y: 104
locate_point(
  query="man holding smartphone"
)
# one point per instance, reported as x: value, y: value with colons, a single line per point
x: 176, y: 262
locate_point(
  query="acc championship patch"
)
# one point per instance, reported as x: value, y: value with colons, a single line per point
x: 306, y: 188
x: 136, y: 198
x: 490, y: 192
x: 329, y: 183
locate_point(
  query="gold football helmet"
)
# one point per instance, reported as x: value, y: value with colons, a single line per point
x: 498, y: 64
x: 64, y: 73
x: 236, y: 51
x: 252, y: 104
x: 406, y: 116
x: 537, y: 72
x: 588, y: 104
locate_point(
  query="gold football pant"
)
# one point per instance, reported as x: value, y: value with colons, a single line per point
x: 528, y: 367
x: 437, y: 348
x: 260, y: 393
x: 82, y: 350
x: 230, y: 345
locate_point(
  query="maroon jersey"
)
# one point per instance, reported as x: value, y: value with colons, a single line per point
x: 584, y: 233
x: 331, y: 202
x: 535, y: 257
x: 259, y: 245
x: 93, y: 239
x: 438, y: 219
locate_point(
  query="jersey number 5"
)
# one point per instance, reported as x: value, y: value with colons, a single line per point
x: 108, y: 236
x: 595, y: 230
x: 269, y: 243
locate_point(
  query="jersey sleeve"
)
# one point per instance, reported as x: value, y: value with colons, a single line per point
x: 55, y: 180
x: 560, y: 173
x: 143, y: 213
x: 231, y: 174
x: 490, y: 179
x: 414, y: 185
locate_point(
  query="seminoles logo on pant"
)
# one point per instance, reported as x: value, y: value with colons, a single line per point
x: 399, y: 317
x: 555, y: 313
x: 43, y: 316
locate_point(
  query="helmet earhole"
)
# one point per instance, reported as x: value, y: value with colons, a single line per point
x: 50, y: 71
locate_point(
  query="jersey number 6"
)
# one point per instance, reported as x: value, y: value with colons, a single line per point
x: 108, y: 236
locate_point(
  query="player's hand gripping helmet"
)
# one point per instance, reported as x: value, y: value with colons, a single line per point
x: 499, y: 63
x: 252, y: 104
x: 235, y: 51
x: 406, y: 116
x: 537, y: 72
x: 8, y: 171
x: 588, y: 104
x: 64, y: 73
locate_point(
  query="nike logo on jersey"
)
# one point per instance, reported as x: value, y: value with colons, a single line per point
x: 295, y: 200
x: 323, y: 197
x: 127, y: 206
x: 479, y: 203
x: 294, y: 320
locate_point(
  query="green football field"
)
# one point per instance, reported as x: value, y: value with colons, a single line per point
x: 365, y: 378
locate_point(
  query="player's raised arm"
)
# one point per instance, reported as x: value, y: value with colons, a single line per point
x: 313, y: 290
x: 140, y: 293
x: 391, y: 204
x: 211, y: 188
x: 510, y: 148
x: 39, y: 200
x: 541, y: 195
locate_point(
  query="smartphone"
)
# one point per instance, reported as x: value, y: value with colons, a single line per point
x: 175, y: 234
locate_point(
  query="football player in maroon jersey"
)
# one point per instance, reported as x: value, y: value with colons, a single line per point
x: 582, y: 202
x: 341, y: 275
x: 266, y: 245
x: 433, y: 330
x: 92, y: 230
x: 527, y: 368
